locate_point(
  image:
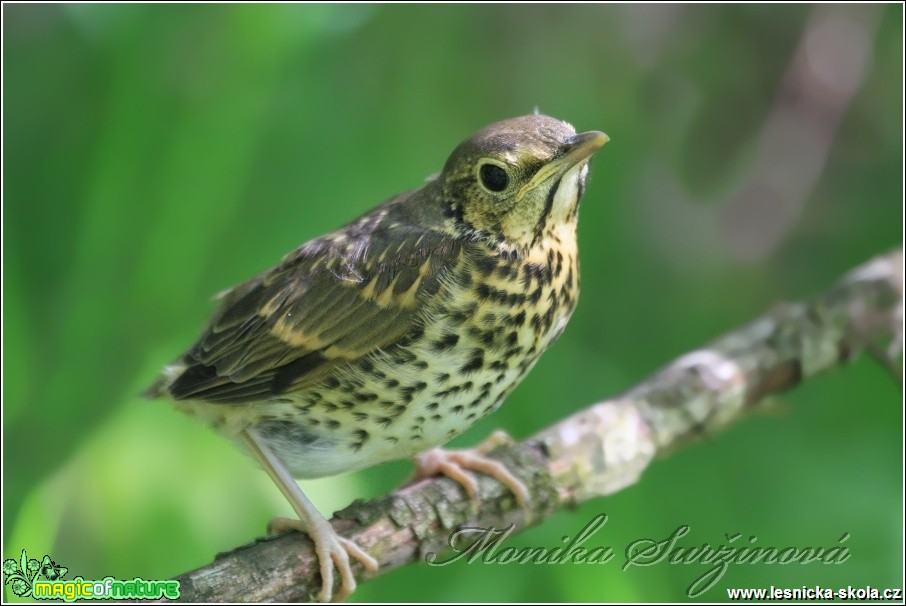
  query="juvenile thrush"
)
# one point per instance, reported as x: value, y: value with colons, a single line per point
x: 391, y: 335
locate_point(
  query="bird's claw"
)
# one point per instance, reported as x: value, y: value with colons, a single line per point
x: 455, y: 463
x: 333, y: 552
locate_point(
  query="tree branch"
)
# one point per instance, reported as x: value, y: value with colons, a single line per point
x: 599, y: 450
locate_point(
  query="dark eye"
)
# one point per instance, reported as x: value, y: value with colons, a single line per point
x: 493, y: 177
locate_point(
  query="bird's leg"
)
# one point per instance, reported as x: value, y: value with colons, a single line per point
x: 333, y: 551
x: 455, y: 463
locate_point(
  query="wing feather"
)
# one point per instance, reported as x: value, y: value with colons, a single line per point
x: 329, y: 303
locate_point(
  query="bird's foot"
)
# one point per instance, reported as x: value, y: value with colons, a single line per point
x: 333, y: 552
x: 455, y: 463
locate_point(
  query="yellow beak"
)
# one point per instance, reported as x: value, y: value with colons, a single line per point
x: 581, y: 148
x: 575, y: 152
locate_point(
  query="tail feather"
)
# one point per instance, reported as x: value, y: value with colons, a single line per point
x: 161, y: 387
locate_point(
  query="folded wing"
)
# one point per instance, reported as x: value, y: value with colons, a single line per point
x: 333, y: 301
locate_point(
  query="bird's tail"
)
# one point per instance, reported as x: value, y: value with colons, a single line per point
x: 161, y: 387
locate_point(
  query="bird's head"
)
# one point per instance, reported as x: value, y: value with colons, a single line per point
x: 515, y: 180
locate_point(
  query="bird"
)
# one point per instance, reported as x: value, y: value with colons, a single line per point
x: 386, y: 338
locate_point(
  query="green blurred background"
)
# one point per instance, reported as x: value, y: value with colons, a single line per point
x: 155, y: 155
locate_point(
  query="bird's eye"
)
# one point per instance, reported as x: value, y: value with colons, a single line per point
x: 493, y: 177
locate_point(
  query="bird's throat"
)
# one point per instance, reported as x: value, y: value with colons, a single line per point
x: 566, y: 198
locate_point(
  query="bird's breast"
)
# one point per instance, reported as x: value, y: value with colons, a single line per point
x: 480, y: 335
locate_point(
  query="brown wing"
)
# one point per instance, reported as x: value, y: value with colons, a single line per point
x: 333, y: 301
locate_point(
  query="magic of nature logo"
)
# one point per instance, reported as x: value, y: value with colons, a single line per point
x: 43, y: 580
